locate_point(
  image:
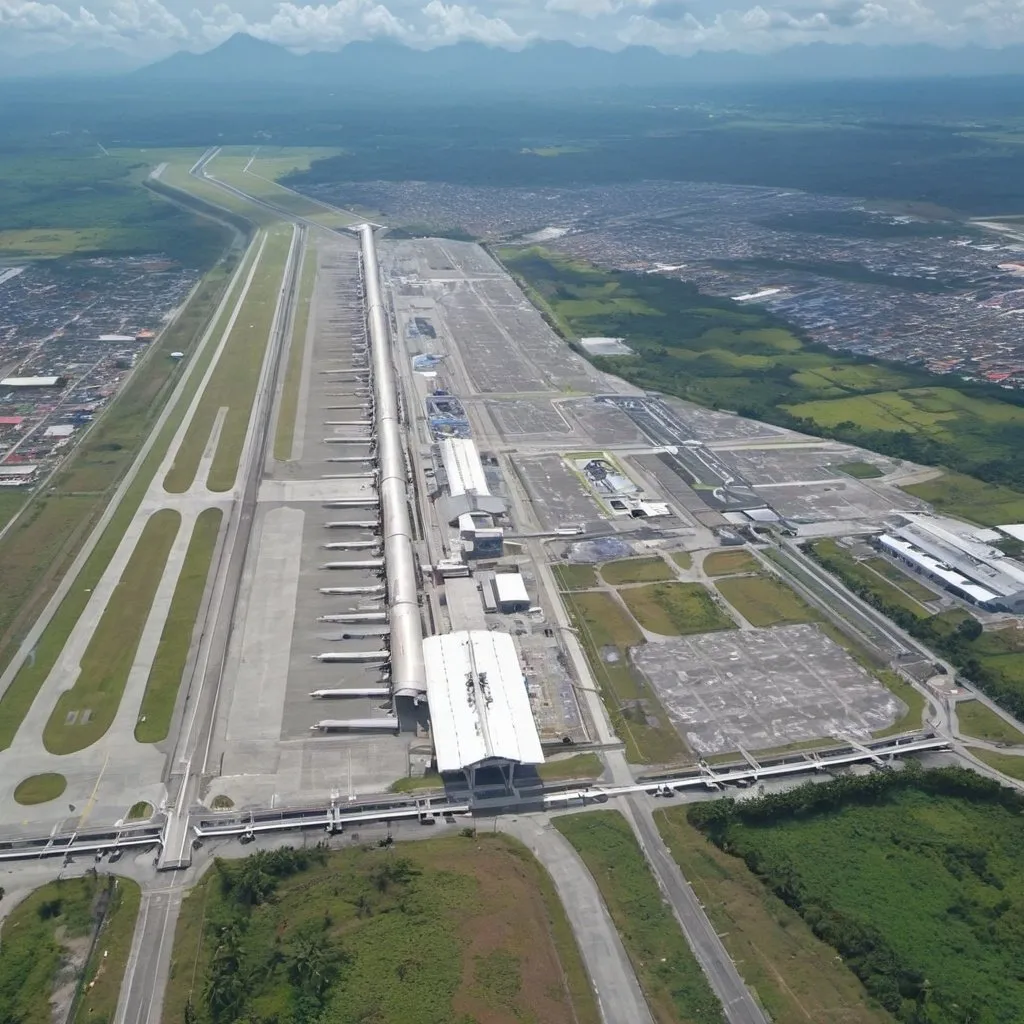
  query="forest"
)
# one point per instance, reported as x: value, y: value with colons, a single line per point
x: 915, y: 877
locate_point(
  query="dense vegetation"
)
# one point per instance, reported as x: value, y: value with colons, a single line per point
x: 673, y: 982
x: 52, y: 204
x: 44, y: 946
x: 454, y: 930
x: 916, y: 878
x: 991, y: 659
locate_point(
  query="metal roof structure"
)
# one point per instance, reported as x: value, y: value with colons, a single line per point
x: 29, y: 382
x: 463, y: 468
x: 479, y: 708
x: 509, y: 588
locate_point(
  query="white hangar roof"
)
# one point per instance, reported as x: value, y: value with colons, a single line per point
x: 479, y: 708
x: 463, y: 468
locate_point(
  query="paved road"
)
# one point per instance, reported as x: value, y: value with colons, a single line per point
x: 615, y: 985
x: 149, y: 961
x: 737, y: 1001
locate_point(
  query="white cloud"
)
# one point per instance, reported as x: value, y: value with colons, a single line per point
x: 154, y: 27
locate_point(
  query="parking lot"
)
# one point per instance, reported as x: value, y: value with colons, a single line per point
x: 764, y: 688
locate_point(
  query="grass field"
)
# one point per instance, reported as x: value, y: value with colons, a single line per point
x: 574, y: 577
x: 766, y: 601
x: 676, y: 609
x: 862, y: 572
x: 40, y: 789
x: 284, y: 429
x: 963, y: 496
x: 978, y: 721
x: 860, y: 470
x: 166, y: 671
x: 912, y: 698
x: 672, y: 981
x: 578, y: 766
x: 233, y: 383
x: 683, y: 559
x: 917, y: 879
x: 445, y: 930
x: 726, y: 563
x: 636, y: 570
x: 85, y: 712
x: 1009, y: 764
x: 606, y: 633
x: 795, y: 975
x: 904, y: 581
x: 139, y: 811
x: 55, y: 919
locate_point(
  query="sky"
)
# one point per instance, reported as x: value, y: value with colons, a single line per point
x: 149, y: 29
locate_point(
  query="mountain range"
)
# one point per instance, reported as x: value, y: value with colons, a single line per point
x: 543, y: 66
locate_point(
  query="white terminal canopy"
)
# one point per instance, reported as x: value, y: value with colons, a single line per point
x: 463, y: 467
x: 479, y: 709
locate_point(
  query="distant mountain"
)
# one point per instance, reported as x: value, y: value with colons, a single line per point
x: 74, y: 62
x: 389, y: 67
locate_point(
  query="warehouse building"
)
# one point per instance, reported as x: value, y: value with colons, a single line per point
x: 510, y: 593
x: 959, y: 557
x: 463, y: 481
x: 27, y: 383
x: 480, y: 713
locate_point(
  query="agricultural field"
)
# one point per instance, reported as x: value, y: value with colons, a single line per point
x: 766, y: 601
x: 165, y: 673
x: 44, y: 946
x: 675, y: 609
x: 636, y: 570
x: 717, y: 353
x: 795, y: 975
x: 915, y: 877
x: 976, y: 720
x: 86, y: 711
x: 569, y: 576
x: 727, y: 563
x: 606, y: 633
x: 451, y: 929
x: 673, y: 983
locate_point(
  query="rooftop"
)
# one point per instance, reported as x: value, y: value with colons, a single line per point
x: 463, y: 467
x: 479, y: 707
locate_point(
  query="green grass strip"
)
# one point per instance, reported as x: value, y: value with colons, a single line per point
x: 18, y: 697
x: 284, y: 433
x: 108, y: 658
x: 235, y: 377
x: 672, y: 981
x: 172, y: 653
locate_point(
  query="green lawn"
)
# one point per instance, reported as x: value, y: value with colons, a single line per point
x: 636, y: 570
x: 905, y: 582
x: 839, y: 561
x: 795, y: 976
x: 766, y: 601
x: 1008, y: 764
x: 606, y: 633
x: 683, y: 559
x: 40, y: 789
x: 139, y: 811
x: 175, y: 641
x: 570, y: 576
x: 676, y: 609
x: 916, y: 878
x: 727, y: 563
x: 33, y: 946
x: 448, y: 929
x: 978, y: 721
x: 284, y: 431
x: 578, y: 766
x: 860, y: 470
x: 672, y: 981
x: 85, y: 712
x: 233, y: 383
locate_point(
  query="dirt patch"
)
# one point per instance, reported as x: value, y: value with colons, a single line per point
x: 76, y: 952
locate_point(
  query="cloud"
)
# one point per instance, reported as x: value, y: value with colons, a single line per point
x: 155, y: 27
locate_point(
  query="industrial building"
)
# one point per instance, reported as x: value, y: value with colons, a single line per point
x: 510, y: 593
x: 32, y: 382
x: 480, y: 711
x: 961, y: 558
